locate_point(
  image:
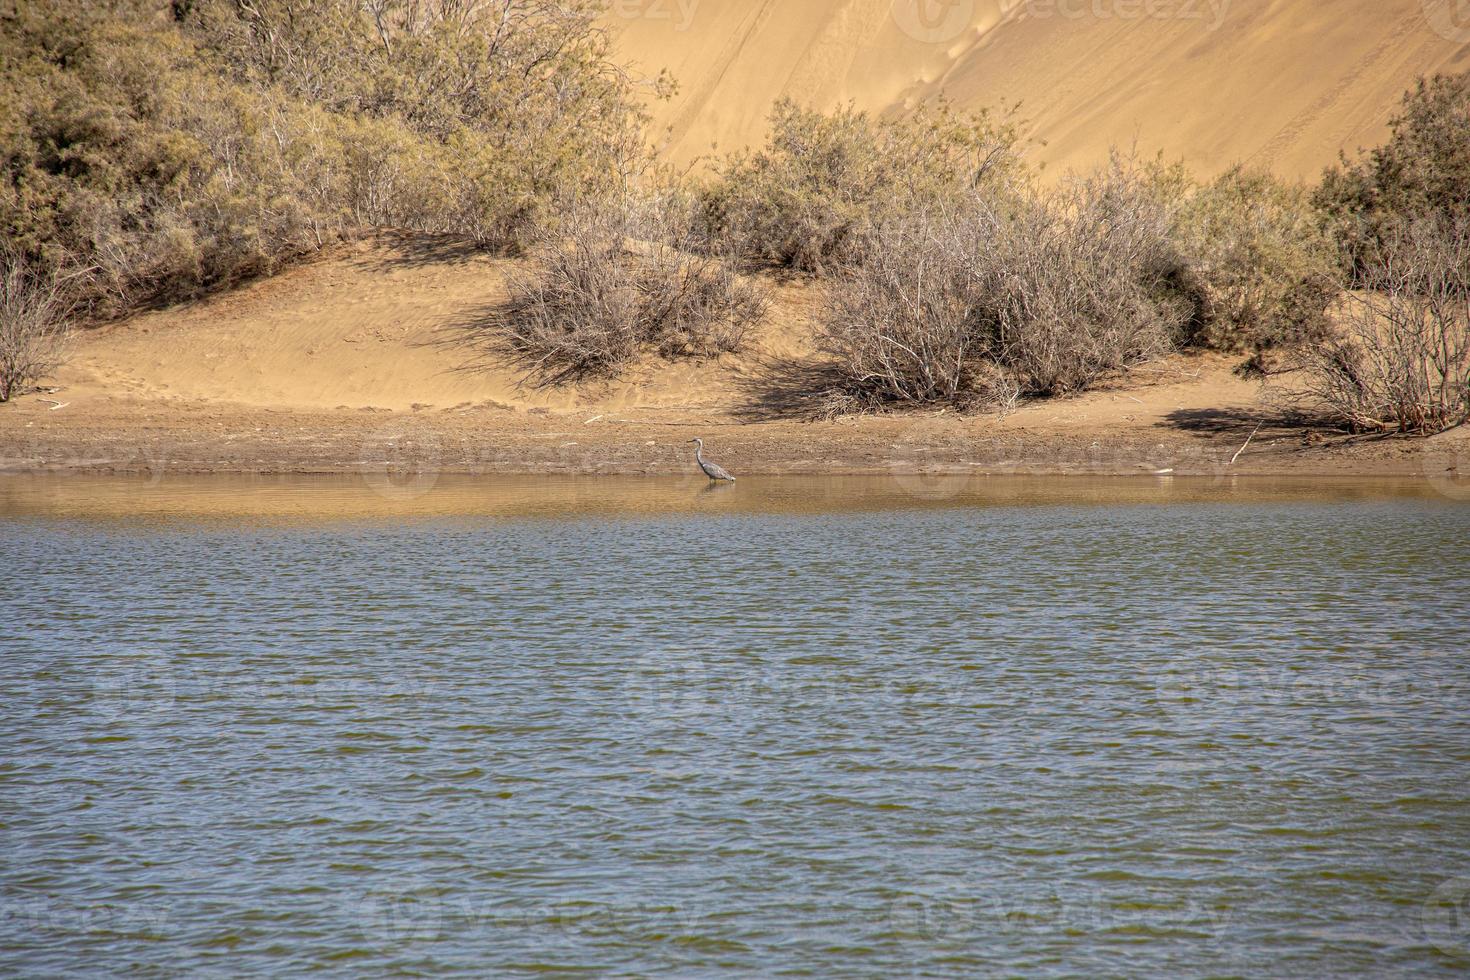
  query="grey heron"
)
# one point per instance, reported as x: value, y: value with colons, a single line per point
x: 712, y: 470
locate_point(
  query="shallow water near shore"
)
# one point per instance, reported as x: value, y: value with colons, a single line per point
x: 834, y: 726
x: 377, y: 495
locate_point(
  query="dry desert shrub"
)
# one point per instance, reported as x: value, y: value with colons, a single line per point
x: 911, y: 324
x: 617, y: 279
x: 179, y: 147
x: 34, y: 330
x: 1399, y: 357
x: 1085, y: 280
x: 1421, y: 172
x: 1262, y: 273
x: 810, y: 198
x: 694, y: 301
x: 981, y: 302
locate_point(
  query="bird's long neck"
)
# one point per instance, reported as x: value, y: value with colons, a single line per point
x: 699, y: 453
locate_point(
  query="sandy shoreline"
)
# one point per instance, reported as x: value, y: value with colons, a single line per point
x: 367, y: 361
x: 206, y: 438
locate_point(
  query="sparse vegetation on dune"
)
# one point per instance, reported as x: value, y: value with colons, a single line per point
x: 1421, y: 172
x: 957, y: 277
x: 976, y: 298
x: 174, y: 147
x: 1043, y: 291
x: 810, y: 198
x: 179, y: 146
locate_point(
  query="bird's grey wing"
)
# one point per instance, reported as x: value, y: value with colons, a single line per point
x: 718, y: 472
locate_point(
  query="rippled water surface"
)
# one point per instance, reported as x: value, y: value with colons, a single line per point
x: 823, y: 727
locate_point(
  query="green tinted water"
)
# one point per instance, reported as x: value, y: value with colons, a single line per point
x: 826, y: 726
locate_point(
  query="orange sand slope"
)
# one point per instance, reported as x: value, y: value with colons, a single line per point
x: 392, y: 325
x: 1281, y: 83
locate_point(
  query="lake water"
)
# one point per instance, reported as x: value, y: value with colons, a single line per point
x: 795, y: 726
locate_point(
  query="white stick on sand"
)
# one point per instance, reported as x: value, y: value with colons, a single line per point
x: 1247, y: 443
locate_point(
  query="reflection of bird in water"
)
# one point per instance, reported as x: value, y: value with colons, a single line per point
x: 712, y: 470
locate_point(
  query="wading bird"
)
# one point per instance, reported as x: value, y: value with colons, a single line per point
x: 712, y: 470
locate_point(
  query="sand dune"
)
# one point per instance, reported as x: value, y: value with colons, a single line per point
x: 1281, y: 83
